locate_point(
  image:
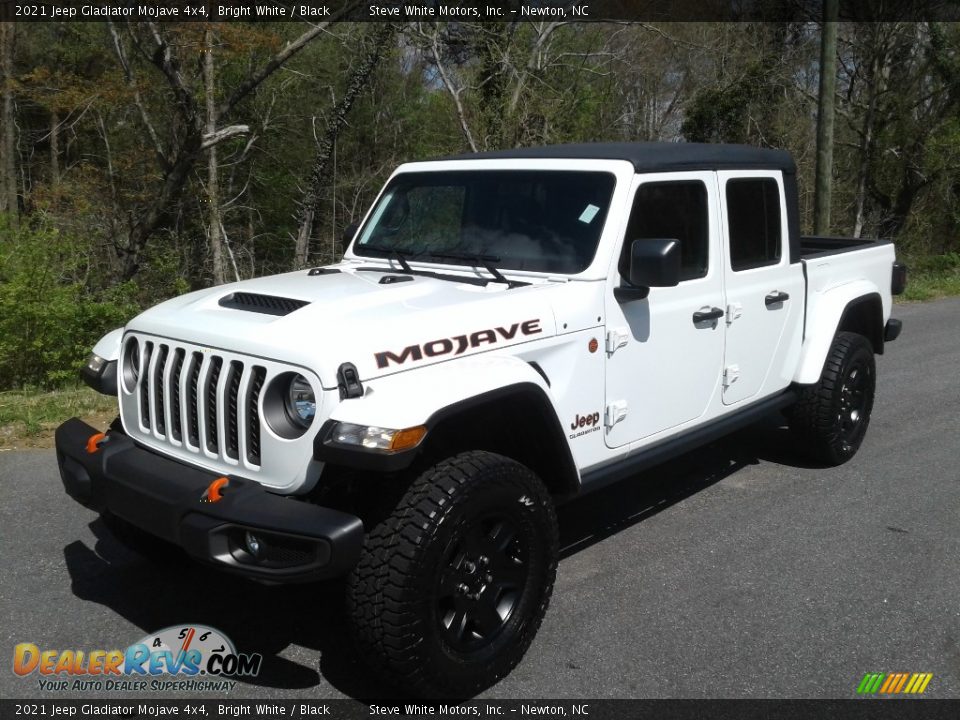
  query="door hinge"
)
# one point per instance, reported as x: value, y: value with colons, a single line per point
x: 730, y: 375
x: 617, y: 338
x: 614, y: 413
x: 734, y: 310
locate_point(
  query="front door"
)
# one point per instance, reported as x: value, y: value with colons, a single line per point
x: 665, y: 352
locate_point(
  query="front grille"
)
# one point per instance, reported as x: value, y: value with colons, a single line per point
x: 253, y: 411
x: 173, y: 390
x: 145, y: 385
x: 193, y: 420
x: 233, y: 392
x: 210, y: 395
x: 159, y: 392
x: 202, y: 401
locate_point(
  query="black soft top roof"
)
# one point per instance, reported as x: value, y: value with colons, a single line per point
x: 656, y: 156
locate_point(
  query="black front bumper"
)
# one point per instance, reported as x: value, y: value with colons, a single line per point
x: 298, y: 541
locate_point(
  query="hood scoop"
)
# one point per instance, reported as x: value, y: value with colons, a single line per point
x: 265, y: 304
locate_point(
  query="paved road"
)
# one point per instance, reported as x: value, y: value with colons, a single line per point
x: 737, y: 571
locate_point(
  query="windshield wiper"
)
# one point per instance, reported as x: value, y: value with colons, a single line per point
x: 486, y: 261
x: 399, y: 255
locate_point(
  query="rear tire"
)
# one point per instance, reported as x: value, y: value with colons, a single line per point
x: 831, y: 417
x: 451, y: 588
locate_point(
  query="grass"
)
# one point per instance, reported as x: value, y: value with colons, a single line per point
x: 932, y: 277
x: 29, y: 417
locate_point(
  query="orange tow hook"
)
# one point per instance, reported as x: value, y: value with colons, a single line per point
x: 93, y: 442
x: 213, y: 493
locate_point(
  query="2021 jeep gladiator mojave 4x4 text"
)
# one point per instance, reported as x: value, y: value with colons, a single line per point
x: 506, y: 331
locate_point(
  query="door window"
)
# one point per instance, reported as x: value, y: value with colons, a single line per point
x: 675, y: 211
x: 753, y: 218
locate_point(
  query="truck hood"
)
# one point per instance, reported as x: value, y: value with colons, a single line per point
x: 351, y: 316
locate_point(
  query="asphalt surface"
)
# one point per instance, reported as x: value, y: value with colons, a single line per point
x: 738, y: 571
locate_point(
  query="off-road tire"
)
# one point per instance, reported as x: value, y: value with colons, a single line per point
x: 398, y: 595
x: 831, y: 417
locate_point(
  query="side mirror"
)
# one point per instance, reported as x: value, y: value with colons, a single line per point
x: 348, y: 232
x: 653, y: 263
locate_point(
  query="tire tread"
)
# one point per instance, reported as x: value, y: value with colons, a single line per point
x: 383, y: 609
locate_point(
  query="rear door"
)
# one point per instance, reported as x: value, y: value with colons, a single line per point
x: 663, y: 365
x: 764, y: 291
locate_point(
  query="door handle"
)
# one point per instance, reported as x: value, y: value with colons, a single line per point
x: 775, y: 297
x: 703, y: 315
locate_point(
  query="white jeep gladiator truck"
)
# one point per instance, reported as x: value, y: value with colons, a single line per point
x: 506, y: 331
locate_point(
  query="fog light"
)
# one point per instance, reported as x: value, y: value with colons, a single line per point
x: 254, y: 543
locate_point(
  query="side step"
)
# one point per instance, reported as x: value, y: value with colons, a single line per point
x: 672, y: 447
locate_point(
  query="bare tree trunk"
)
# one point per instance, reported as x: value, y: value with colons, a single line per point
x: 358, y: 83
x: 8, y: 141
x: 58, y: 34
x: 54, y: 148
x: 189, y: 139
x: 213, y: 174
x: 826, y: 107
x: 875, y: 87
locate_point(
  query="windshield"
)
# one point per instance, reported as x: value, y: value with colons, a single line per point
x: 542, y: 221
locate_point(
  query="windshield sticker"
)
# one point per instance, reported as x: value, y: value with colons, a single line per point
x: 589, y: 213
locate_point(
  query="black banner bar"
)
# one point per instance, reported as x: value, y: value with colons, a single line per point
x: 470, y: 10
x: 863, y: 709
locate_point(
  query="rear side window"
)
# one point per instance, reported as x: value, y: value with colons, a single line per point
x: 675, y: 211
x: 753, y: 216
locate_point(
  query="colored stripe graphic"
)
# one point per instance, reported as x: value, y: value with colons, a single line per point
x: 870, y: 683
x: 888, y: 683
x: 894, y: 683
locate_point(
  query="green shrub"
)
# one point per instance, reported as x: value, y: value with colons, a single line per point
x: 49, y: 316
x: 932, y: 276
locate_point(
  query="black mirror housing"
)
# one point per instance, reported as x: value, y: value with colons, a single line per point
x: 654, y: 262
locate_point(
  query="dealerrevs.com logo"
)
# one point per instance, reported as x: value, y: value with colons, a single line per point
x: 181, y: 657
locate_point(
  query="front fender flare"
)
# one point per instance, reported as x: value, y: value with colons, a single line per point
x: 108, y: 347
x: 433, y: 395
x: 412, y: 398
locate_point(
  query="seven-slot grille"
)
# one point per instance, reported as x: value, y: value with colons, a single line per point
x: 201, y: 400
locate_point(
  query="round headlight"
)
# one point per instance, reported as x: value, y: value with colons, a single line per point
x: 301, y: 402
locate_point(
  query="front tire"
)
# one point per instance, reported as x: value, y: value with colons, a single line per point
x: 452, y: 586
x: 831, y: 417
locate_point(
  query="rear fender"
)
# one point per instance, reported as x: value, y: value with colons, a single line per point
x: 827, y: 311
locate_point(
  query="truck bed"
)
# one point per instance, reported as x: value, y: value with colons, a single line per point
x: 816, y: 245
